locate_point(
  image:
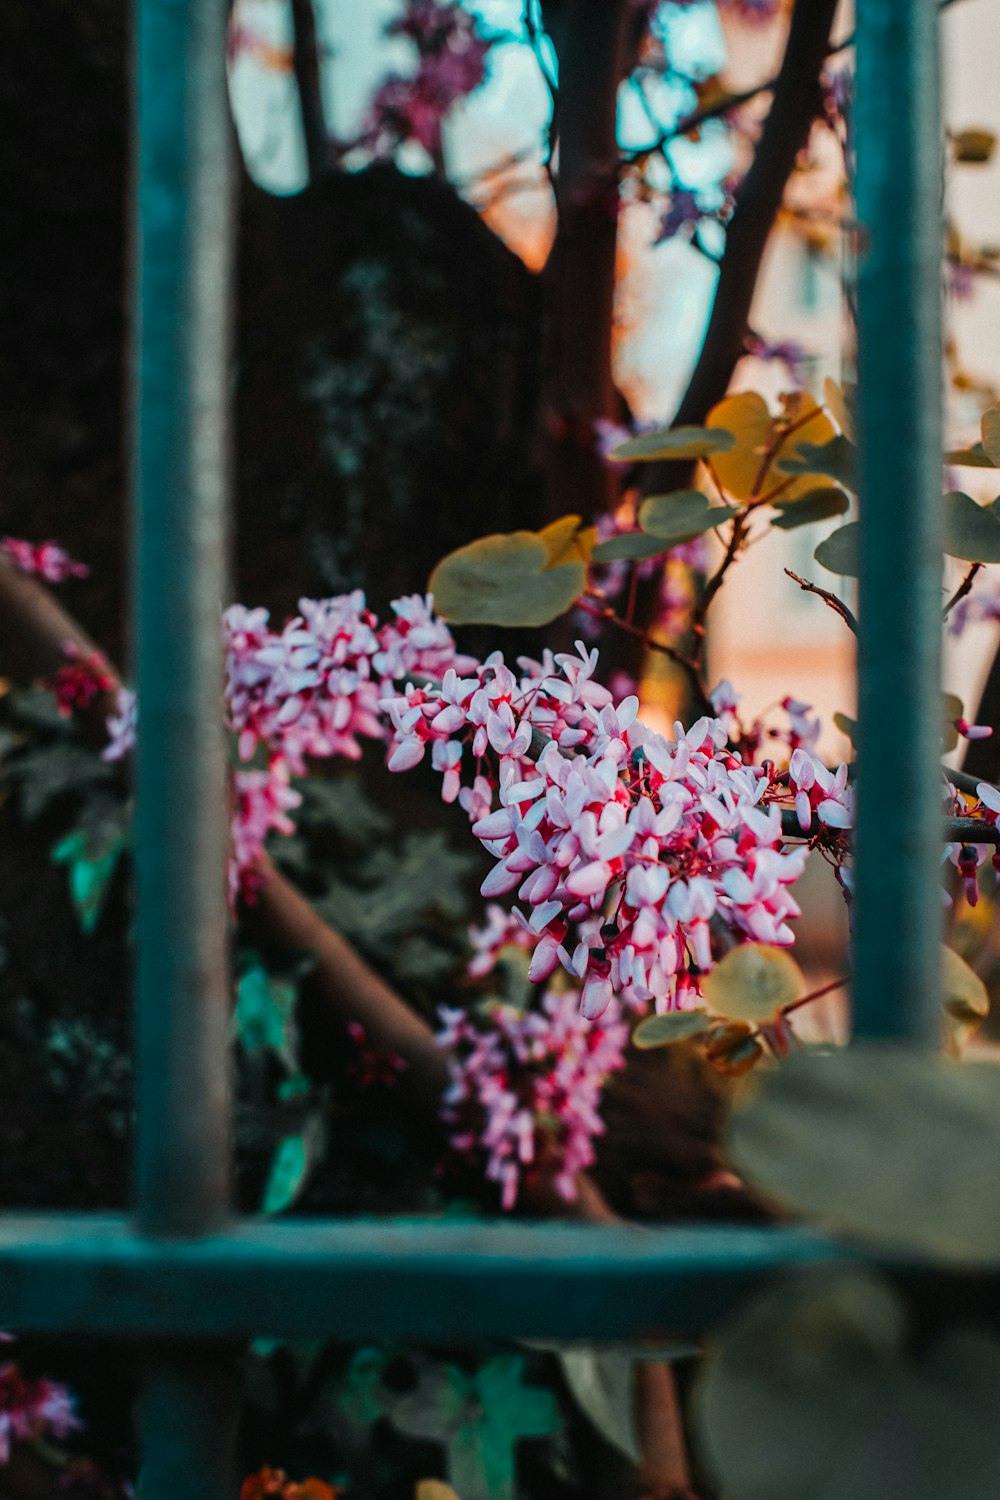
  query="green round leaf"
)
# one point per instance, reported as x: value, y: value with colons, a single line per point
x: 837, y: 459
x: 682, y: 515
x: 971, y: 531
x: 789, y: 1385
x: 885, y: 1142
x: 631, y: 546
x: 505, y: 579
x: 815, y: 505
x: 839, y: 552
x: 814, y: 1394
x: 675, y: 443
x: 675, y: 1026
x: 753, y: 981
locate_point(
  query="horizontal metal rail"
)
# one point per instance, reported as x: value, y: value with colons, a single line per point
x: 408, y: 1279
x: 363, y: 1279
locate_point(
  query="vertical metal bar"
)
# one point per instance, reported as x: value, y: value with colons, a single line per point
x: 187, y: 1418
x: 897, y: 883
x: 182, y: 324
x: 181, y: 472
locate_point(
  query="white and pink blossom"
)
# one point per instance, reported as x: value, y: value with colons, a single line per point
x: 525, y: 1088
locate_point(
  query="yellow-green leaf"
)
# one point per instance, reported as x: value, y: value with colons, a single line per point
x: 847, y: 726
x: 975, y: 146
x: 753, y: 982
x: 814, y: 431
x: 964, y: 995
x: 675, y: 1026
x: 747, y: 418
x: 674, y: 443
x: 681, y: 516
x: 951, y: 709
x: 506, y: 579
x: 975, y: 457
x: 565, y: 541
x: 733, y: 1048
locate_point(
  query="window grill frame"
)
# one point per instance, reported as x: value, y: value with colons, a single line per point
x: 181, y: 1276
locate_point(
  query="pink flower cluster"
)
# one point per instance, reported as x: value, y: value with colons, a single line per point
x: 500, y: 930
x: 525, y: 1091
x: 84, y: 677
x: 967, y: 858
x: 801, y: 731
x: 820, y: 792
x: 600, y: 816
x: 42, y: 560
x: 452, y: 63
x: 374, y: 1066
x: 31, y: 1409
x: 312, y: 689
x: 122, y: 726
x: 262, y: 801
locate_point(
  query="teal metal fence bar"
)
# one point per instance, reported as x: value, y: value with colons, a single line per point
x: 181, y: 1278
x: 899, y: 824
x: 181, y: 461
x: 368, y: 1279
x: 184, y: 238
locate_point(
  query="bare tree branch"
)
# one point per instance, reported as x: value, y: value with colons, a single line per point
x: 797, y: 101
x: 837, y: 605
x: 595, y: 47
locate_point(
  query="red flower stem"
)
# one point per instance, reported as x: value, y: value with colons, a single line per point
x: 826, y: 989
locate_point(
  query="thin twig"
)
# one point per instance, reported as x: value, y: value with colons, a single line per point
x: 602, y: 611
x: 837, y: 605
x: 715, y: 583
x: 962, y: 590
x: 728, y: 102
